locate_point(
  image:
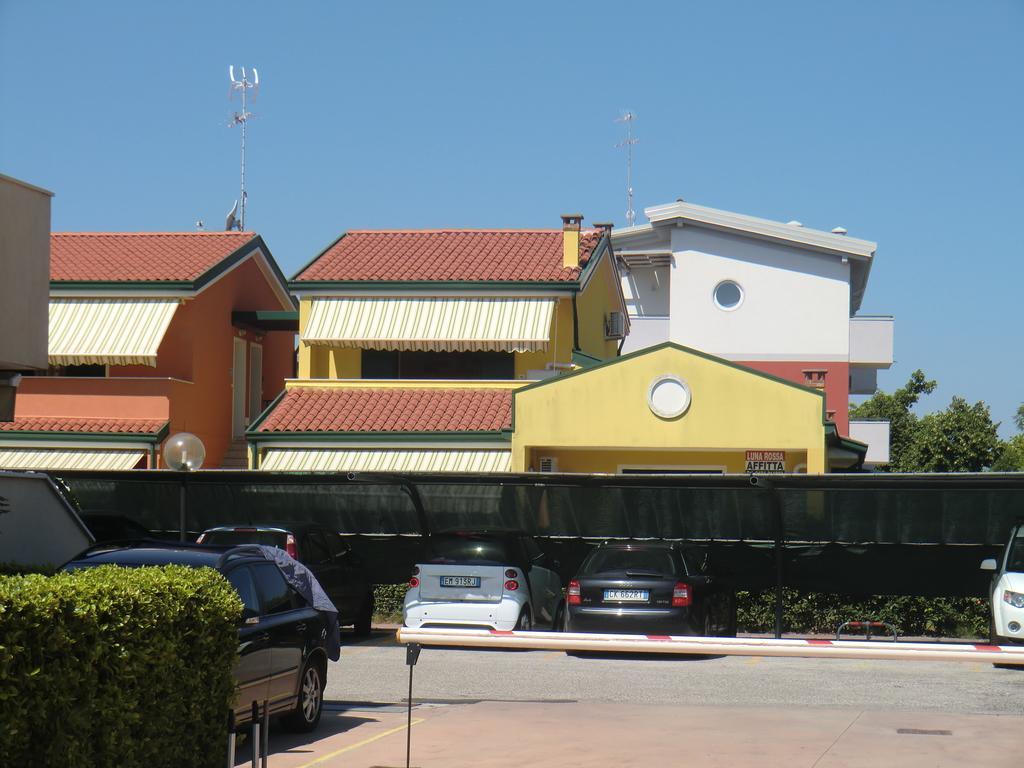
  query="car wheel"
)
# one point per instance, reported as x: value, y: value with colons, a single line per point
x: 525, y: 622
x: 306, y: 715
x: 365, y: 619
x: 558, y: 625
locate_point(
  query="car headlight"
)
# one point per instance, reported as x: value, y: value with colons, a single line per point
x: 1016, y: 599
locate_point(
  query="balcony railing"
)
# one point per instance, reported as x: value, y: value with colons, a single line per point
x: 871, y: 341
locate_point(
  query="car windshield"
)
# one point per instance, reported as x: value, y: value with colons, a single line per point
x: 632, y: 560
x: 483, y: 550
x: 1015, y: 557
x: 245, y: 536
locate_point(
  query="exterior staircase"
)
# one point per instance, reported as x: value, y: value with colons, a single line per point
x: 236, y: 456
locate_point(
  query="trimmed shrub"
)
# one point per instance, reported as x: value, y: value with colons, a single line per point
x: 388, y: 600
x: 822, y: 613
x: 116, y: 666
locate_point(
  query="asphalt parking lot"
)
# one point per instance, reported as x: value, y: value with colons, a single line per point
x: 539, y: 708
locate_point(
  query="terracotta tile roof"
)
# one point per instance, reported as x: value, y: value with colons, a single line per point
x: 463, y: 255
x: 139, y: 256
x: 390, y: 409
x: 77, y: 424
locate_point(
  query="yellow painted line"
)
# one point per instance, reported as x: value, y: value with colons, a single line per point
x: 358, y: 744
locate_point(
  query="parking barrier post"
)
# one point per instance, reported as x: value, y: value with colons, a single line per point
x: 255, y: 733
x: 265, y: 734
x: 231, y: 739
x: 412, y: 655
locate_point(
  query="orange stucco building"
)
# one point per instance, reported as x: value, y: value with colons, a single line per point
x: 152, y: 334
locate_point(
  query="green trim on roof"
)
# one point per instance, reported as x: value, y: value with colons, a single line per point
x: 266, y: 412
x: 584, y: 360
x: 680, y: 348
x: 254, y: 243
x: 484, y: 286
x: 268, y: 320
x: 120, y: 285
x: 41, y: 436
x: 384, y: 437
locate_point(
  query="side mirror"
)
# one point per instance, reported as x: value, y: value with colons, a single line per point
x: 989, y: 564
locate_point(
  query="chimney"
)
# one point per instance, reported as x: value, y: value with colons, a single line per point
x: 571, y: 239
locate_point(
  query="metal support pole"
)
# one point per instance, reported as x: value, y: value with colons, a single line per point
x: 181, y: 512
x: 265, y: 733
x: 779, y: 562
x: 255, y: 733
x: 231, y: 739
x: 412, y: 655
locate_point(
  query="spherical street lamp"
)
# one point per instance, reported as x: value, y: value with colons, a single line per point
x: 184, y: 452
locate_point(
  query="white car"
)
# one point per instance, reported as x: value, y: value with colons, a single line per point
x: 1008, y: 590
x: 495, y: 580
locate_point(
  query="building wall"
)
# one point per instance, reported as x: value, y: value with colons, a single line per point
x: 592, y: 308
x: 732, y: 409
x: 198, y: 347
x: 24, y: 275
x: 837, y: 384
x: 796, y: 304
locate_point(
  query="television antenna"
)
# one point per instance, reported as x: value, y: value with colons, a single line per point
x: 242, y: 86
x: 628, y: 118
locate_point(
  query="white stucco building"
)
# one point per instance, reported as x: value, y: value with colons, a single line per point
x: 777, y: 297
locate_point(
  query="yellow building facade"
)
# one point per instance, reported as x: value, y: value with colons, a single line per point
x: 497, y: 351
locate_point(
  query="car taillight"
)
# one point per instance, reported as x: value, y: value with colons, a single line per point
x: 680, y: 595
x: 511, y: 573
x: 414, y: 582
x: 511, y: 585
x: 289, y: 547
x: 573, y: 593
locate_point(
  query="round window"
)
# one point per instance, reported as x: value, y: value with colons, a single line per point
x: 668, y: 397
x: 728, y: 295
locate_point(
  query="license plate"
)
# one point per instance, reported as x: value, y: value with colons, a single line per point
x: 460, y: 581
x: 627, y: 595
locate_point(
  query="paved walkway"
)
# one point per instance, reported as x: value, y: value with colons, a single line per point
x: 513, y: 734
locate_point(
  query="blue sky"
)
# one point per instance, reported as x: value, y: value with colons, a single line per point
x: 902, y: 122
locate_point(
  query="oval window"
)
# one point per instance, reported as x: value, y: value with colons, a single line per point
x: 728, y: 295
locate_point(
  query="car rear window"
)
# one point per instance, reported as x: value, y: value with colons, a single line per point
x: 617, y: 559
x: 469, y: 549
x: 231, y: 538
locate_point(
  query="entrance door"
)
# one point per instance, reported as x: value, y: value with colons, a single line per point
x: 238, y: 388
x: 255, y: 381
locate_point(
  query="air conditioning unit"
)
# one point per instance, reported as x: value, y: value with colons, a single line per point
x: 614, y: 326
x: 548, y: 464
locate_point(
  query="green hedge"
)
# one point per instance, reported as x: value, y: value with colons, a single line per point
x: 388, y: 600
x: 113, y: 666
x: 822, y: 613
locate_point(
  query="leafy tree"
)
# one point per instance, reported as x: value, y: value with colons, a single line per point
x: 903, y: 425
x: 961, y: 438
x: 1012, y: 458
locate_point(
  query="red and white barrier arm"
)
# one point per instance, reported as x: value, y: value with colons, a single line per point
x: 718, y: 646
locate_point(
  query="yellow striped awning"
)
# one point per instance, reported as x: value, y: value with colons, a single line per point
x: 66, y: 458
x: 108, y: 331
x: 442, y: 324
x: 383, y: 460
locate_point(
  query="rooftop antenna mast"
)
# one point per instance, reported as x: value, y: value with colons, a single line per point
x: 628, y: 118
x: 241, y: 86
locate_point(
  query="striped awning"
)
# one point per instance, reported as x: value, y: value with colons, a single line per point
x: 434, y: 324
x: 108, y: 331
x: 65, y: 458
x: 370, y: 460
